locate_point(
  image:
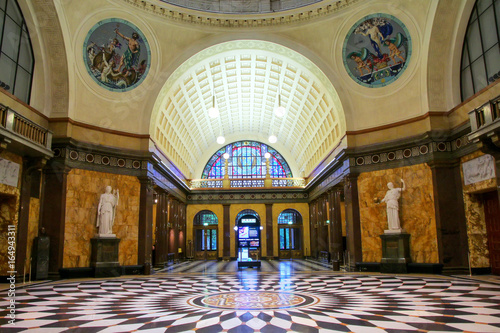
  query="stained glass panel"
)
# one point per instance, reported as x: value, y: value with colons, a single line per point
x: 290, y: 216
x: 205, y: 217
x: 246, y: 160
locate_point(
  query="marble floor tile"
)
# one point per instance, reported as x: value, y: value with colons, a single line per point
x: 303, y: 298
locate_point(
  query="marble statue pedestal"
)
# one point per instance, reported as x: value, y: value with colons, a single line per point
x: 104, y: 257
x: 395, y: 252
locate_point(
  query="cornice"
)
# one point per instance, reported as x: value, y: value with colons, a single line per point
x: 190, y: 16
x: 433, y: 148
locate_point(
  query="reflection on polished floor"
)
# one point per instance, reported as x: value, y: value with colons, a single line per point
x: 281, y: 266
x: 258, y: 301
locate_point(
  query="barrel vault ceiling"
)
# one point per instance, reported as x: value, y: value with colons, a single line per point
x: 247, y: 78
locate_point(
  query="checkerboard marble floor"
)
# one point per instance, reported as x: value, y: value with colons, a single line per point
x: 257, y: 302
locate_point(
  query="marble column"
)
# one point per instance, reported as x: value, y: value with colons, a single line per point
x: 269, y: 231
x: 313, y: 227
x: 30, y: 168
x: 161, y: 246
x: 226, y: 247
x: 176, y: 229
x: 353, y: 225
x: 336, y: 246
x: 53, y: 212
x: 144, y: 254
x: 450, y: 216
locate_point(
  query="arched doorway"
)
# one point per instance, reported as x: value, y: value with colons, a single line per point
x: 248, y: 236
x: 205, y: 235
x: 290, y: 234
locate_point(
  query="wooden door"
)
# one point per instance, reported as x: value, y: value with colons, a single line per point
x: 492, y: 216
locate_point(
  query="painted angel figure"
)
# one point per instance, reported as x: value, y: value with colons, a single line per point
x: 106, y: 211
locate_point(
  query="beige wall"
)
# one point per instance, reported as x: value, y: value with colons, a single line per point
x: 84, y: 189
x: 417, y: 211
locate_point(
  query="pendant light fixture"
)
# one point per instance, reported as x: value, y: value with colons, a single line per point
x: 279, y: 111
x: 213, y: 112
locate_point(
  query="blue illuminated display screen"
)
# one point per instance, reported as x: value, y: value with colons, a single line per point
x: 248, y: 236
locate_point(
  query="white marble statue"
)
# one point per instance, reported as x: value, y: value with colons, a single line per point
x: 106, y: 212
x: 391, y: 199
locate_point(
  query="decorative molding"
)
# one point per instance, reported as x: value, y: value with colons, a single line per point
x: 98, y: 159
x: 234, y: 197
x: 353, y: 162
x: 97, y: 128
x: 184, y: 15
x: 411, y: 152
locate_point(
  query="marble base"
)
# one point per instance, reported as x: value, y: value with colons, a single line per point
x: 395, y: 253
x: 104, y: 257
x: 394, y: 231
x: 105, y: 236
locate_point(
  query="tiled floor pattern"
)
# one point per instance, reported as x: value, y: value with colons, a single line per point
x: 341, y: 303
x: 212, y: 267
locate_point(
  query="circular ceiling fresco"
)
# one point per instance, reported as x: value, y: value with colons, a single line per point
x: 116, y: 55
x: 377, y: 50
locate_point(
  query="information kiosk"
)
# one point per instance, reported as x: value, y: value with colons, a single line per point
x: 248, y: 236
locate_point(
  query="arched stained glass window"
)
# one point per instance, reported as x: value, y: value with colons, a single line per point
x: 246, y: 160
x: 290, y: 216
x: 247, y: 212
x: 205, y: 217
x: 16, y: 54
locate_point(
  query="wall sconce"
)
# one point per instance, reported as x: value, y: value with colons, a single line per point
x: 261, y: 228
x: 235, y: 228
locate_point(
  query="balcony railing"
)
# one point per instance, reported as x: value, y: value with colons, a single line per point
x: 485, y: 115
x: 247, y: 183
x: 15, y: 123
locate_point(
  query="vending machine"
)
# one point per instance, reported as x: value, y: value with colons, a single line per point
x: 248, y: 241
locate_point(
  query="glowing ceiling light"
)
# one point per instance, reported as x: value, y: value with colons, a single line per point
x: 213, y: 112
x: 221, y: 140
x: 226, y: 156
x: 273, y: 139
x: 267, y: 155
x: 280, y: 111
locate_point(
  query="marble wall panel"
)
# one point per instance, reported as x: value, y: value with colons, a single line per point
x: 474, y: 214
x: 417, y: 212
x: 9, y: 208
x: 33, y: 223
x: 82, y: 198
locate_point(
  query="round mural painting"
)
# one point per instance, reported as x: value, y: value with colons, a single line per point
x: 377, y: 50
x: 116, y: 54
